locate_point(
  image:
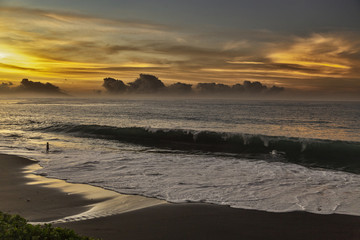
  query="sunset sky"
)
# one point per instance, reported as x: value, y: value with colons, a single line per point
x: 310, y: 45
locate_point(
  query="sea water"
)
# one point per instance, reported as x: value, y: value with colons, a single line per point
x: 267, y: 155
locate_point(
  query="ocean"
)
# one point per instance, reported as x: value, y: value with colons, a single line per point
x: 277, y: 156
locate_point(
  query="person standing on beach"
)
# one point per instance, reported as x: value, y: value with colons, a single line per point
x: 47, y: 147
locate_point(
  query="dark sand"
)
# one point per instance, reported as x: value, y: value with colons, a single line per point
x: 164, y: 221
x: 203, y: 221
x: 35, y: 202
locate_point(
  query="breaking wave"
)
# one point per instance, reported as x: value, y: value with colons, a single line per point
x: 338, y: 155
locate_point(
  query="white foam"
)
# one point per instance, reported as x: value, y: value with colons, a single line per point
x: 240, y: 183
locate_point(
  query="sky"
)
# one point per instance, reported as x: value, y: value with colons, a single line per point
x: 306, y: 45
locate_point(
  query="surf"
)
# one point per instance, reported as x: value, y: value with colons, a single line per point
x: 330, y: 154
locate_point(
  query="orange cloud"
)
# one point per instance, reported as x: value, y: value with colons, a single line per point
x: 54, y: 46
x: 318, y: 51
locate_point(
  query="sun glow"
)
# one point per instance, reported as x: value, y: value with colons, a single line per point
x: 14, y: 59
x: 3, y: 55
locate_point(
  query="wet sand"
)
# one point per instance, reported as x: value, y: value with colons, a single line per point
x: 205, y: 221
x: 41, y: 199
x: 117, y: 216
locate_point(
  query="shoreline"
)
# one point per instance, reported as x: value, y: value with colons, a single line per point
x: 48, y: 200
x: 97, y: 212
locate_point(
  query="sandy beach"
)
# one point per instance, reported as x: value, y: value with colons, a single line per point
x: 100, y: 213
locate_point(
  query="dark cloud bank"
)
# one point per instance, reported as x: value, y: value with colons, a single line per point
x: 149, y: 84
x: 29, y: 87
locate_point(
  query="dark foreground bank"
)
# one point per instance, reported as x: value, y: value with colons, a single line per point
x: 203, y: 221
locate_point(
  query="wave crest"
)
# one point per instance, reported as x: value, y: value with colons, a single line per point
x: 339, y: 155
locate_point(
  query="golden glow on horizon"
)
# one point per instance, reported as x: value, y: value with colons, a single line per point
x: 73, y: 49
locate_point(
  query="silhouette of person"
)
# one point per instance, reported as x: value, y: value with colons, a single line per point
x: 47, y: 147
